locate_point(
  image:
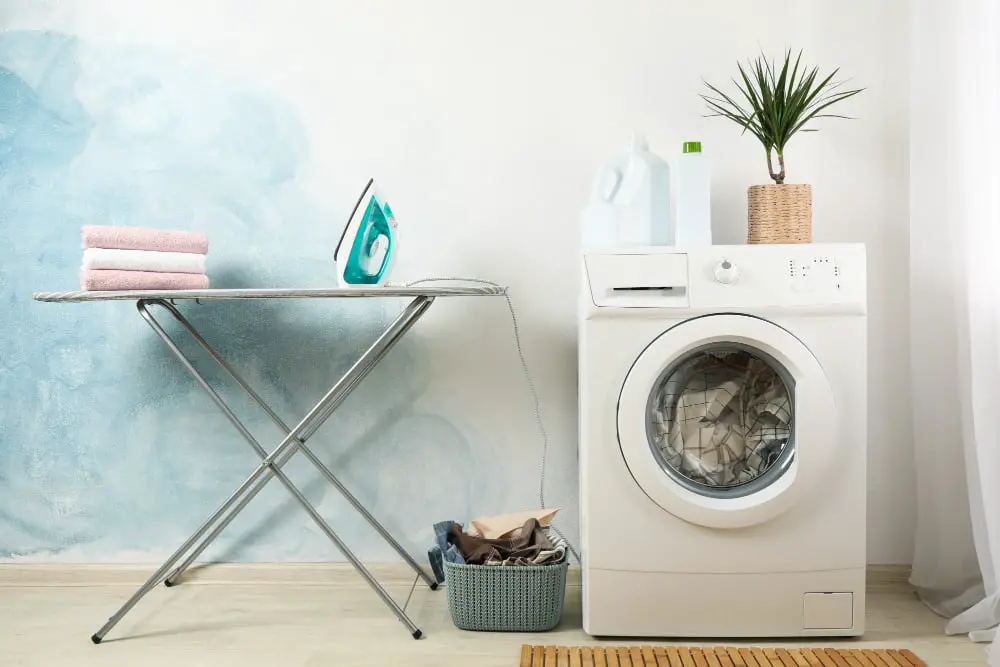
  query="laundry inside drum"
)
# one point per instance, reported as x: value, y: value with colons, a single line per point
x: 720, y: 420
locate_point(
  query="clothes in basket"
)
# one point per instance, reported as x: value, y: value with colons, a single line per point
x: 530, y: 545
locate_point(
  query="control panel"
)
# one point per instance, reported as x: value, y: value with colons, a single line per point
x: 817, y: 273
x: 733, y: 276
x: 778, y: 276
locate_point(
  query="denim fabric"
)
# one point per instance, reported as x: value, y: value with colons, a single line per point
x: 443, y: 550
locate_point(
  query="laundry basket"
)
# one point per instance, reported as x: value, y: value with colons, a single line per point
x: 506, y: 598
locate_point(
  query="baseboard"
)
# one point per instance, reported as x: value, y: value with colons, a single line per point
x: 216, y: 574
x: 881, y: 578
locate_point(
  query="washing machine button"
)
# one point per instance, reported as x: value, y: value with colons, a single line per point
x: 726, y: 272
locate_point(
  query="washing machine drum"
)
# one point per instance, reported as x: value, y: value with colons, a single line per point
x: 721, y: 418
x: 724, y: 420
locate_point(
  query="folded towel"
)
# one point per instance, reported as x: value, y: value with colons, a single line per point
x: 143, y: 260
x: 100, y: 280
x: 138, y: 238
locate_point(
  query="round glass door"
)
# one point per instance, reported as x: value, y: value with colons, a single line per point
x: 720, y: 420
x: 726, y: 420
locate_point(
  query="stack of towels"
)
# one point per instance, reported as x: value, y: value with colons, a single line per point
x: 133, y: 258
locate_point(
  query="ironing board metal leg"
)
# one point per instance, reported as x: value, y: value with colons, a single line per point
x: 323, y: 525
x: 334, y: 397
x: 315, y: 460
x: 193, y: 555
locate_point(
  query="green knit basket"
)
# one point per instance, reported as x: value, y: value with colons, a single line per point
x: 506, y: 598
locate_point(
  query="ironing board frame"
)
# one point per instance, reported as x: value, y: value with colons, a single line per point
x: 295, y: 438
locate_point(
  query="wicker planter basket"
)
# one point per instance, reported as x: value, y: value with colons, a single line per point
x: 779, y: 213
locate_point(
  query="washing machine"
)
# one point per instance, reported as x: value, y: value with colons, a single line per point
x: 722, y: 396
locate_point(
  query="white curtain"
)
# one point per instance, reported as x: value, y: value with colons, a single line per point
x: 955, y: 310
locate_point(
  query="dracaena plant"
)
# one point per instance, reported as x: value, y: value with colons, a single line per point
x: 773, y: 104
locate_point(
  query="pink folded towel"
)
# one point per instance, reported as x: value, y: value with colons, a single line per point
x: 110, y: 280
x: 138, y: 238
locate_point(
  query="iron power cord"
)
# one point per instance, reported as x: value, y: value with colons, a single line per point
x: 528, y: 378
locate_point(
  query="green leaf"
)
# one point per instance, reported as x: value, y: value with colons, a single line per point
x: 778, y: 99
x: 779, y: 92
x: 813, y: 114
x: 728, y: 108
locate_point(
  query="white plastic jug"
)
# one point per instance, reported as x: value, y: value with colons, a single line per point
x: 630, y: 201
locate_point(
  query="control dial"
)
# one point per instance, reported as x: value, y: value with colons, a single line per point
x: 726, y: 272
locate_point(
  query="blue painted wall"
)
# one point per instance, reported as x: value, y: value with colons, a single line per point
x: 107, y: 450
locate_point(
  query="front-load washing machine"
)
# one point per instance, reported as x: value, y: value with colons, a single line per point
x: 723, y: 441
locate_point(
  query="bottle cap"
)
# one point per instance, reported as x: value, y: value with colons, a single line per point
x: 692, y: 146
x: 639, y: 142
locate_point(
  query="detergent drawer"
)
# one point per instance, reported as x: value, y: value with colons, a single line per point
x: 637, y: 280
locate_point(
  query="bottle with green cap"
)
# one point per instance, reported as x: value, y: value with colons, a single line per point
x: 693, y: 224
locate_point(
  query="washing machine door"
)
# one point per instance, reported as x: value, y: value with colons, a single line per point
x: 725, y: 420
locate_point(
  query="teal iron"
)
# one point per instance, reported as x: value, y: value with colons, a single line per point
x: 367, y: 247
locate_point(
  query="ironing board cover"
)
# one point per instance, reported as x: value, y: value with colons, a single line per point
x: 269, y: 293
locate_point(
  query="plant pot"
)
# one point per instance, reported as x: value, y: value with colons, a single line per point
x: 779, y: 213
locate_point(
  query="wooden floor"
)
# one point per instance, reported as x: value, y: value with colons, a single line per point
x: 326, y: 616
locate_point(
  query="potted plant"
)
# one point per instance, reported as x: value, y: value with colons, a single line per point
x: 773, y: 105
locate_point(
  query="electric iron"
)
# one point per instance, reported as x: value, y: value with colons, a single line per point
x: 367, y: 248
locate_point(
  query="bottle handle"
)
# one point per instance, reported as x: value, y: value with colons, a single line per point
x: 609, y: 180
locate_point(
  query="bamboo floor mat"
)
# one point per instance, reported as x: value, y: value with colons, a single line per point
x: 722, y: 656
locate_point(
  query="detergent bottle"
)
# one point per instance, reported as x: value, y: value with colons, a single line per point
x: 693, y: 222
x: 630, y: 200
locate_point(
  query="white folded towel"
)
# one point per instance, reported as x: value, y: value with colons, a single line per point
x: 143, y: 260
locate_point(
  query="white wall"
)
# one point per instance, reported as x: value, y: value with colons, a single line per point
x: 486, y: 123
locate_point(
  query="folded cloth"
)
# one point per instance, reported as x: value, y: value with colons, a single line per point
x: 143, y: 260
x: 492, y: 527
x: 100, y: 280
x: 139, y: 238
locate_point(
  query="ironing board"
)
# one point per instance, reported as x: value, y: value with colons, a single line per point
x: 295, y: 437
